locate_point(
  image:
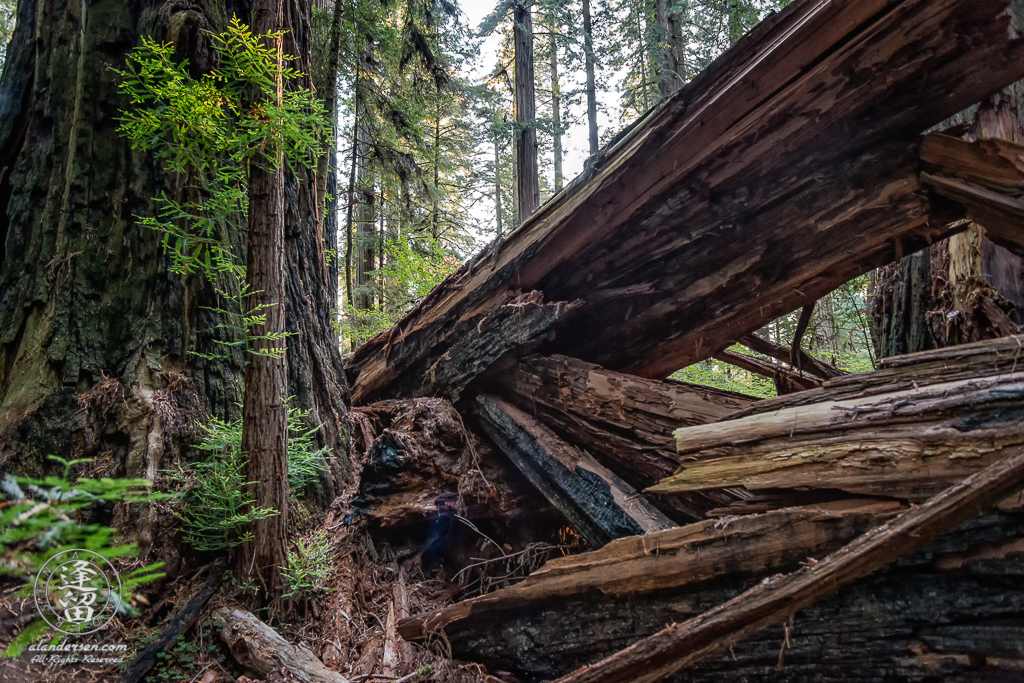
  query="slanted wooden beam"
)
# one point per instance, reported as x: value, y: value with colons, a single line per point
x: 599, y: 504
x: 787, y: 168
x: 624, y: 421
x: 808, y: 363
x: 786, y: 381
x: 908, y: 444
x: 679, y: 646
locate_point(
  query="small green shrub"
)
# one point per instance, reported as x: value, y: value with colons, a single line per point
x: 212, y: 504
x: 43, y: 517
x: 308, y: 565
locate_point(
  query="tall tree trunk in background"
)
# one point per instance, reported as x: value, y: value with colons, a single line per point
x: 497, y: 189
x: 264, y: 416
x: 326, y: 172
x: 362, y: 200
x: 672, y: 71
x: 95, y: 332
x: 735, y: 25
x: 962, y: 289
x: 527, y: 179
x: 556, y: 114
x: 588, y: 46
x: 434, y: 211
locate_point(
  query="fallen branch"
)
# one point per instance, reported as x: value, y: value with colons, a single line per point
x: 682, y: 645
x: 180, y: 624
x: 258, y: 647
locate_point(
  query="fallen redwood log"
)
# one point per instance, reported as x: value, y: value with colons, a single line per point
x: 600, y: 505
x: 625, y: 422
x: 261, y: 649
x: 681, y: 645
x: 631, y: 586
x: 947, y: 612
x: 907, y: 444
x: 785, y: 169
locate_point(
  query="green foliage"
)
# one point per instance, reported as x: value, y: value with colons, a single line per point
x: 208, y: 131
x: 43, y: 517
x: 212, y: 504
x: 308, y: 565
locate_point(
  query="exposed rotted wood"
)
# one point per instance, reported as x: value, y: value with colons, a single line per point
x: 808, y: 363
x: 913, y: 370
x: 786, y: 381
x: 651, y: 565
x: 599, y: 504
x: 260, y: 648
x: 1001, y: 214
x: 907, y: 444
x: 681, y: 645
x: 785, y: 169
x: 624, y: 421
x: 927, y: 618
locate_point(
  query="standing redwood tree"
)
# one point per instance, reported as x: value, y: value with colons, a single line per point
x: 527, y: 180
x: 95, y: 331
x: 265, y: 417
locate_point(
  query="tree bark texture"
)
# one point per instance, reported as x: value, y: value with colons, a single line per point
x: 726, y: 178
x: 589, y: 59
x: 527, y: 178
x: 95, y: 332
x: 264, y: 414
x: 679, y: 646
x: 556, y: 112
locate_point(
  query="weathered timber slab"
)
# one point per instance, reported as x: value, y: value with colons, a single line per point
x: 624, y: 421
x: 908, y: 444
x: 899, y: 373
x: 1001, y: 215
x: 599, y: 504
x: 784, y: 170
x: 260, y: 648
x: 652, y: 564
x: 951, y: 609
x: 679, y: 646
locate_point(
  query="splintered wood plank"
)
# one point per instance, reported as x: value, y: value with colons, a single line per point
x: 913, y: 370
x: 599, y: 504
x: 906, y: 444
x: 679, y: 646
x: 787, y: 168
x: 653, y: 564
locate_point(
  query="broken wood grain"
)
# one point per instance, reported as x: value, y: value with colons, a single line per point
x: 599, y: 504
x: 681, y: 645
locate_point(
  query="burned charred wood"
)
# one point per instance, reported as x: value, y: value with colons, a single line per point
x: 928, y: 617
x: 624, y: 421
x: 786, y: 381
x: 908, y: 444
x: 178, y: 626
x: 808, y: 363
x: 599, y: 504
x: 730, y: 177
x: 681, y: 645
x: 653, y: 564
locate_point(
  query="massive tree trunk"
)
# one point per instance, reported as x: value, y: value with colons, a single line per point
x: 95, y: 332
